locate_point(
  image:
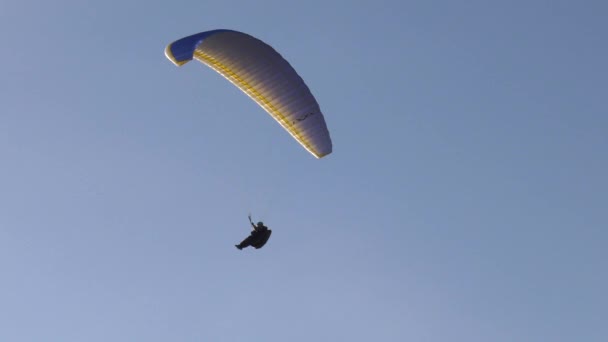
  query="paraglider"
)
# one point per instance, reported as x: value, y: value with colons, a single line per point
x: 258, y: 237
x: 265, y: 76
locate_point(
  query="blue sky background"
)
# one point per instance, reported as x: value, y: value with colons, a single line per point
x: 466, y: 198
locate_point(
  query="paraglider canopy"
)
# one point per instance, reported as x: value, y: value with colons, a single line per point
x: 265, y: 76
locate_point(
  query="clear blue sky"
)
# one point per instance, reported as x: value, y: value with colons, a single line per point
x: 466, y: 198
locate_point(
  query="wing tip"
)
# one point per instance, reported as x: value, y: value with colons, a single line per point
x: 171, y: 57
x: 320, y: 155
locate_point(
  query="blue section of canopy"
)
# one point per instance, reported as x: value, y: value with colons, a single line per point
x: 182, y: 50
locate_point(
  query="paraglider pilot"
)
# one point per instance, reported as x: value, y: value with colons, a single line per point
x: 258, y: 237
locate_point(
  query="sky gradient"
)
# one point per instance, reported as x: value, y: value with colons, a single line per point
x: 465, y: 200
